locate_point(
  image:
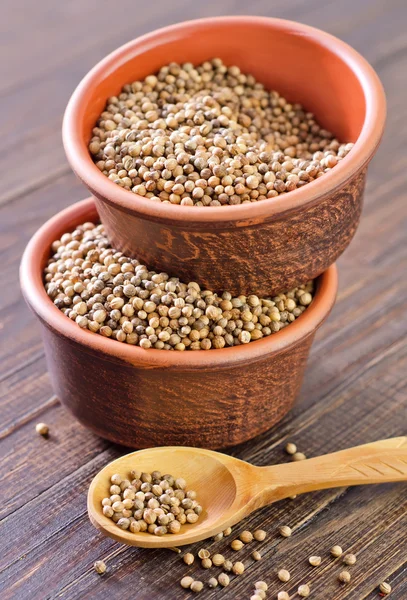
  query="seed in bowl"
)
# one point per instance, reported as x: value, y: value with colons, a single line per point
x: 115, y: 296
x: 151, y: 502
x: 209, y: 135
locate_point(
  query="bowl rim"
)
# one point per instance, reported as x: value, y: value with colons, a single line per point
x: 106, y: 190
x: 31, y: 281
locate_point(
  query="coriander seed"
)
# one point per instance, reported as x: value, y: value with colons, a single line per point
x: 304, y: 591
x: 290, y: 448
x: 213, y: 582
x: 259, y: 535
x: 336, y: 551
x: 227, y: 565
x: 344, y: 576
x: 100, y: 567
x: 236, y: 545
x: 261, y: 585
x: 246, y: 537
x: 204, y: 553
x: 297, y: 456
x: 283, y: 575
x: 218, y: 560
x: 349, y: 559
x: 42, y: 429
x: 285, y: 531
x: 186, y: 582
x: 238, y: 568
x: 283, y: 596
x: 256, y: 555
x: 206, y: 563
x: 223, y: 579
x: 196, y: 586
x: 188, y: 558
x: 385, y: 588
x: 315, y: 561
x: 227, y: 531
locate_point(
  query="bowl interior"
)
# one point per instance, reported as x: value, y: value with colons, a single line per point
x: 313, y: 68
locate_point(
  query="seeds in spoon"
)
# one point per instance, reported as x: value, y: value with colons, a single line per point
x: 100, y: 567
x: 42, y: 429
x: 285, y: 531
x: 385, y: 587
x: 141, y: 307
x: 283, y: 575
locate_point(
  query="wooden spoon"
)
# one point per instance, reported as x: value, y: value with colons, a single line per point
x: 229, y: 489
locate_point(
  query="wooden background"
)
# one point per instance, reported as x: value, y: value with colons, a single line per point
x: 355, y: 387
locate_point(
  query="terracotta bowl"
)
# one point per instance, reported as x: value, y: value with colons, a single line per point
x: 141, y: 398
x: 265, y: 247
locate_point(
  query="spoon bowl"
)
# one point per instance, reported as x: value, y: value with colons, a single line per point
x: 229, y: 489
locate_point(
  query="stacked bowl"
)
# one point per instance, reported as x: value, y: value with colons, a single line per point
x: 144, y: 397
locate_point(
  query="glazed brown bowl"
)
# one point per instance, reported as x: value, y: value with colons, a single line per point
x: 265, y: 247
x: 141, y: 398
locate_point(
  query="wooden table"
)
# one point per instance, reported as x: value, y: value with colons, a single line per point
x: 355, y: 385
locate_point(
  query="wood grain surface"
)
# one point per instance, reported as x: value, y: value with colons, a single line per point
x: 355, y: 384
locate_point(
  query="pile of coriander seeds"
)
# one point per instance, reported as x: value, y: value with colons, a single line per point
x: 209, y: 135
x: 150, y: 502
x: 115, y: 296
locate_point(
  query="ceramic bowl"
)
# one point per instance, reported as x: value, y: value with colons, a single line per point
x: 265, y: 247
x: 142, y: 398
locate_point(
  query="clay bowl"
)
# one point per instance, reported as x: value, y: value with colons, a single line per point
x: 265, y: 247
x: 142, y: 398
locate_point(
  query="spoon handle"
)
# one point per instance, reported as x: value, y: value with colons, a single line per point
x: 377, y: 462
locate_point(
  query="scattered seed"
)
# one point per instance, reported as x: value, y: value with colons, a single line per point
x: 298, y: 456
x: 259, y: 535
x: 246, y: 537
x: 285, y: 531
x: 290, y: 448
x: 100, y: 567
x: 315, y: 561
x: 293, y: 497
x: 227, y: 531
x: 206, y: 563
x: 260, y: 593
x: 283, y: 596
x: 42, y: 429
x: 186, y: 582
x: 218, y: 560
x: 349, y: 559
x: 336, y: 551
x: 213, y: 582
x: 204, y: 553
x: 236, y: 545
x: 304, y: 591
x: 256, y: 555
x: 261, y: 585
x: 196, y: 586
x: 344, y: 576
x: 218, y: 537
x: 283, y: 575
x: 223, y: 579
x: 385, y: 587
x: 238, y: 568
x: 227, y: 565
x: 255, y: 597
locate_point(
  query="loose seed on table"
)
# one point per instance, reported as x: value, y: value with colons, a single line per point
x: 285, y: 531
x: 349, y: 559
x: 206, y: 563
x: 336, y: 551
x: 315, y: 561
x: 223, y: 579
x: 209, y: 135
x: 218, y: 537
x: 298, y: 456
x: 260, y: 594
x: 283, y: 575
x: 290, y: 448
x: 218, y: 560
x: 283, y: 596
x: 259, y: 535
x: 261, y: 585
x: 256, y: 555
x: 246, y: 537
x: 385, y: 587
x: 186, y: 582
x: 204, y: 553
x: 227, y: 565
x: 42, y: 429
x: 196, y: 586
x: 344, y: 576
x: 213, y: 582
x: 227, y: 531
x: 255, y: 597
x: 100, y: 567
x: 188, y: 558
x: 238, y: 568
x: 304, y: 591
x: 236, y: 545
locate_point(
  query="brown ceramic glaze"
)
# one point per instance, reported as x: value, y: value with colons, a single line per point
x: 264, y: 247
x: 141, y: 398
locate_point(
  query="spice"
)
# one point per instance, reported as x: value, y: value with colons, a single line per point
x: 261, y: 585
x: 285, y: 531
x: 290, y: 448
x: 385, y: 587
x: 315, y: 561
x: 218, y: 537
x: 227, y: 565
x: 336, y: 551
x: 298, y: 456
x: 209, y: 135
x: 349, y: 559
x: 236, y: 545
x: 42, y: 429
x: 148, y: 502
x: 344, y: 576
x: 213, y: 582
x: 259, y: 535
x: 188, y: 558
x: 256, y: 555
x: 100, y: 567
x: 144, y: 308
x: 246, y: 537
x: 204, y: 553
x: 227, y: 531
x: 218, y: 560
x: 238, y: 568
x: 223, y: 579
x: 283, y: 596
x: 304, y: 591
x: 186, y: 582
x: 196, y: 586
x: 206, y: 563
x: 283, y: 575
